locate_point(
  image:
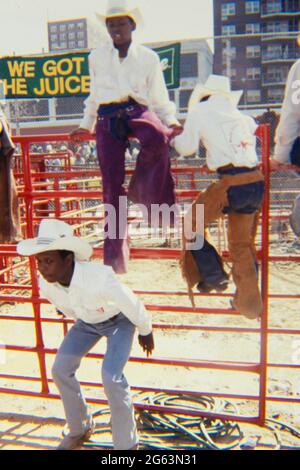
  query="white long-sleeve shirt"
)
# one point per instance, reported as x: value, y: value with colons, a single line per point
x: 139, y: 76
x: 289, y: 125
x: 96, y: 295
x: 227, y: 134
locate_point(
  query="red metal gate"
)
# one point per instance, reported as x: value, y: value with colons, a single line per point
x: 37, y: 186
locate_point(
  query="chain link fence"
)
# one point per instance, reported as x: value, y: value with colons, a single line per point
x: 257, y: 62
x: 255, y: 49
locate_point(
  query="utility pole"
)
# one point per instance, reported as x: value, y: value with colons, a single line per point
x: 228, y: 53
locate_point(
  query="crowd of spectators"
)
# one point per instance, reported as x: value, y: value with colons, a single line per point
x: 56, y: 154
x: 78, y: 154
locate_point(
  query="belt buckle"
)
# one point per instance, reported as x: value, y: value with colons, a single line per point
x: 129, y: 108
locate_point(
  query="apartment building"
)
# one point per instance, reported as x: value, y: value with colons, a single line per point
x: 70, y: 34
x: 255, y: 45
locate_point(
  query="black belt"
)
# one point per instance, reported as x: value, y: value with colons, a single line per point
x: 231, y: 169
x: 115, y: 109
x: 115, y: 317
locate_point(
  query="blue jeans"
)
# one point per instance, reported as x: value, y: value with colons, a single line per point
x: 78, y: 342
x: 246, y: 198
x: 209, y: 262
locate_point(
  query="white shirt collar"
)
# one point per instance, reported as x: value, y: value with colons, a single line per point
x: 132, y: 50
x: 76, y: 280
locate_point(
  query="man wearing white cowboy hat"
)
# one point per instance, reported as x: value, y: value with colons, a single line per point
x: 229, y: 139
x: 287, y: 138
x: 129, y: 98
x: 91, y: 294
x: 119, y: 8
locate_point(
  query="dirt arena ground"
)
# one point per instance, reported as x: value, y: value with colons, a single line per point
x: 34, y: 423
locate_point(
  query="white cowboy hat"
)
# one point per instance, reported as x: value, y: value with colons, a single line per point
x: 55, y: 235
x: 214, y: 85
x: 120, y: 8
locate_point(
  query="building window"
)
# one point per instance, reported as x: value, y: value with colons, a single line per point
x: 273, y: 51
x: 71, y: 26
x: 80, y: 25
x: 53, y: 28
x: 253, y: 28
x: 62, y: 28
x: 253, y: 73
x: 63, y: 37
x: 80, y: 35
x: 63, y: 45
x: 253, y: 96
x: 252, y: 7
x: 273, y: 7
x: 275, y: 95
x: 228, y: 9
x: 72, y: 44
x: 53, y: 37
x: 228, y: 30
x: 253, y: 51
x: 71, y: 36
x: 81, y: 44
x: 277, y: 27
x: 276, y: 74
x: 189, y: 65
x: 184, y: 97
x: 54, y: 45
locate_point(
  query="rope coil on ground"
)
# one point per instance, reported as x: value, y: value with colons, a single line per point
x: 160, y: 430
x: 169, y: 432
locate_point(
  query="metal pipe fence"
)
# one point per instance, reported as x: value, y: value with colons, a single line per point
x: 75, y: 195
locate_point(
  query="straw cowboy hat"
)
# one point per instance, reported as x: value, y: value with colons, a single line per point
x: 214, y: 85
x: 121, y: 8
x: 55, y: 235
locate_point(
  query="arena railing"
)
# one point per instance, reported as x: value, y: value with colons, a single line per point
x: 34, y: 195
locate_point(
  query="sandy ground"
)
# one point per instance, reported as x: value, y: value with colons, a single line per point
x: 35, y: 423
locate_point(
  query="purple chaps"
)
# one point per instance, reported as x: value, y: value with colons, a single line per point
x: 151, y: 182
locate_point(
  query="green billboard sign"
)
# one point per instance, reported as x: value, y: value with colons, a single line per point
x: 64, y: 75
